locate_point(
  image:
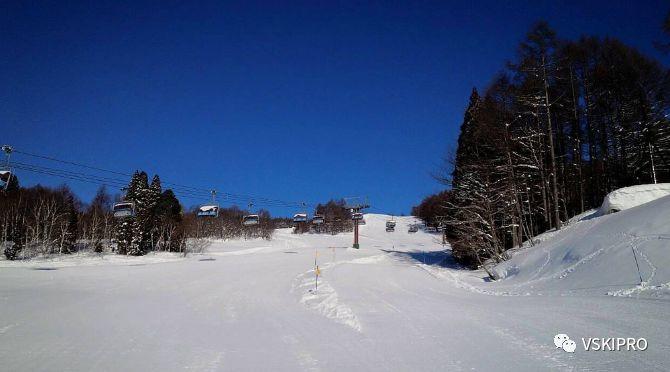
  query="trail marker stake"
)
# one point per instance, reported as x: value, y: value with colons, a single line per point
x: 316, y: 271
x: 632, y: 248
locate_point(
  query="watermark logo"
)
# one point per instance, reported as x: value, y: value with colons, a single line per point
x: 614, y: 344
x: 563, y: 341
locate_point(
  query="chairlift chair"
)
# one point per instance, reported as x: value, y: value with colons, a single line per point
x: 208, y: 211
x: 318, y: 219
x: 5, y: 177
x: 358, y: 216
x: 123, y: 209
x: 6, y: 173
x: 250, y: 220
x: 413, y: 228
x: 299, y: 217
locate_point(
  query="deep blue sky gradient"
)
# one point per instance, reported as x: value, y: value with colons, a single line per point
x: 289, y: 100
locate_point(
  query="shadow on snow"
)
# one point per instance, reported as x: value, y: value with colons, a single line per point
x: 433, y: 258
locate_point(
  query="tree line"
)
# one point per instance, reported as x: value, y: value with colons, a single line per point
x: 562, y: 125
x: 41, y: 221
x: 337, y: 219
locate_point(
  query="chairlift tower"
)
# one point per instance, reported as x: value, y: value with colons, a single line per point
x: 442, y: 224
x: 356, y: 205
x: 7, y: 149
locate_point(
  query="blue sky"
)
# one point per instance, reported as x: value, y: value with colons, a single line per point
x: 287, y: 100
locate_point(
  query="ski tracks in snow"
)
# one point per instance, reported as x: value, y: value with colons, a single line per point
x: 541, y: 352
x: 325, y: 300
x: 661, y: 290
x: 6, y: 328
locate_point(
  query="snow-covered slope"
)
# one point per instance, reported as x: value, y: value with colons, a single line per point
x: 397, y: 304
x: 598, y: 254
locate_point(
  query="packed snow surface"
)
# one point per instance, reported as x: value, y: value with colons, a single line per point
x: 399, y: 303
x: 629, y: 197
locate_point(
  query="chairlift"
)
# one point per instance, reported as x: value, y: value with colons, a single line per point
x: 123, y: 209
x: 210, y: 210
x: 390, y: 223
x: 413, y: 228
x: 318, y: 219
x: 5, y: 177
x: 6, y: 173
x: 250, y: 220
x: 299, y: 217
x: 357, y: 216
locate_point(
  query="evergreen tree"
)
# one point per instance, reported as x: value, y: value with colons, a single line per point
x: 141, y: 228
x: 125, y: 228
x: 152, y: 224
x: 124, y: 235
x: 168, y: 206
x: 168, y: 222
x: 16, y: 235
x: 578, y: 120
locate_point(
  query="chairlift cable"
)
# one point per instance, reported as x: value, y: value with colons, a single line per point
x: 96, y: 179
x: 184, y: 188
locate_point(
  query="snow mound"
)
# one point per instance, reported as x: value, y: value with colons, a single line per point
x: 629, y: 197
x: 598, y: 255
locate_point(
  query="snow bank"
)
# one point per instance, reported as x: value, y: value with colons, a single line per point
x: 629, y: 197
x: 599, y: 255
